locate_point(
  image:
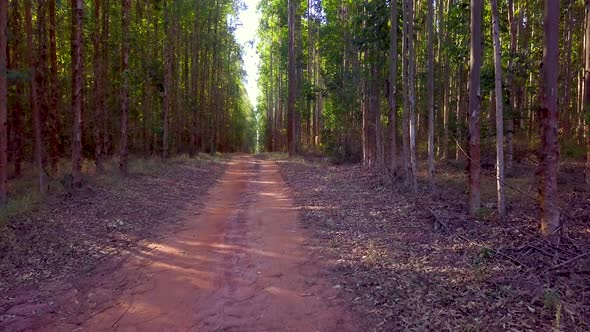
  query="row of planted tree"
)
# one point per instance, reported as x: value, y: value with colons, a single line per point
x: 439, y: 78
x: 95, y: 79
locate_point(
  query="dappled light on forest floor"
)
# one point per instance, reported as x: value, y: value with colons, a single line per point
x: 238, y: 261
x: 88, y: 233
x: 403, y: 271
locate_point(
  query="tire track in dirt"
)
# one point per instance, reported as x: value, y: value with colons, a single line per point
x: 240, y: 265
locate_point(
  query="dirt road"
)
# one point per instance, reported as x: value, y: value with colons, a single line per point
x: 238, y: 265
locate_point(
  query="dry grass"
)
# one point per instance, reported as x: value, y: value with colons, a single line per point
x: 24, y: 196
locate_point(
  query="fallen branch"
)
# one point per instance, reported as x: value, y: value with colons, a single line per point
x: 123, y: 315
x: 512, y: 259
x: 569, y: 261
x: 438, y: 220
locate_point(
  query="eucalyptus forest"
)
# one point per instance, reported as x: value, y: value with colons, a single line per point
x: 295, y: 165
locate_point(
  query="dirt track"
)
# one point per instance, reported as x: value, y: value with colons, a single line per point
x: 238, y: 265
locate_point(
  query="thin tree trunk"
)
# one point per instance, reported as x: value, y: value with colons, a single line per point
x: 499, y: 111
x: 474, y: 104
x: 566, y: 114
x: 513, y: 86
x: 412, y: 99
x: 446, y: 94
x: 105, y: 77
x: 405, y: 111
x: 299, y: 104
x: 77, y: 8
x: 16, y: 114
x: 167, y: 80
x: 34, y: 100
x: 392, y: 128
x: 548, y: 169
x: 292, y: 80
x: 98, y: 95
x: 195, y: 74
x: 54, y: 93
x: 459, y: 110
x: 586, y: 102
x: 430, y: 87
x: 42, y: 72
x: 3, y: 101
x: 123, y: 152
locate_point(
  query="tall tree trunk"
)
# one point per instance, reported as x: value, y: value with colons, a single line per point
x: 106, y: 141
x: 548, y: 169
x: 461, y: 73
x: 167, y: 79
x: 54, y: 93
x: 98, y: 95
x: 392, y: 96
x: 123, y: 152
x: 499, y: 111
x: 586, y: 102
x: 412, y: 99
x: 566, y: 114
x: 446, y: 93
x: 34, y: 100
x: 299, y: 79
x: 42, y: 72
x: 405, y: 97
x: 373, y: 109
x: 292, y: 80
x: 16, y: 113
x: 77, y: 14
x: 474, y: 104
x: 3, y: 101
x: 195, y: 84
x: 513, y: 86
x: 430, y: 84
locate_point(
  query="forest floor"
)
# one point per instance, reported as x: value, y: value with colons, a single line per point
x: 269, y: 244
x: 420, y: 263
x: 49, y: 247
x: 235, y: 259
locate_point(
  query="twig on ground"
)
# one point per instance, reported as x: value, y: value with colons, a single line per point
x: 438, y: 220
x: 123, y: 315
x: 569, y: 261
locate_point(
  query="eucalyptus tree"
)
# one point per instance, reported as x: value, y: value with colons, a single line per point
x: 104, y: 95
x: 3, y: 100
x: 474, y: 111
x: 548, y: 168
x: 499, y: 110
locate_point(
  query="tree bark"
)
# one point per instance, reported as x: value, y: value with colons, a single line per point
x: 405, y: 97
x: 513, y: 86
x: 292, y: 80
x: 548, y: 168
x: 167, y: 80
x: 430, y: 87
x: 77, y: 14
x: 392, y: 96
x: 586, y: 102
x: 98, y: 94
x: 474, y: 104
x: 106, y: 140
x: 3, y: 101
x: 54, y: 93
x: 123, y: 152
x: 412, y: 99
x: 195, y: 84
x: 34, y: 102
x: 499, y: 111
x: 15, y: 60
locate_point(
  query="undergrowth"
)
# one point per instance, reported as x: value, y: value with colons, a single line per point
x: 25, y: 197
